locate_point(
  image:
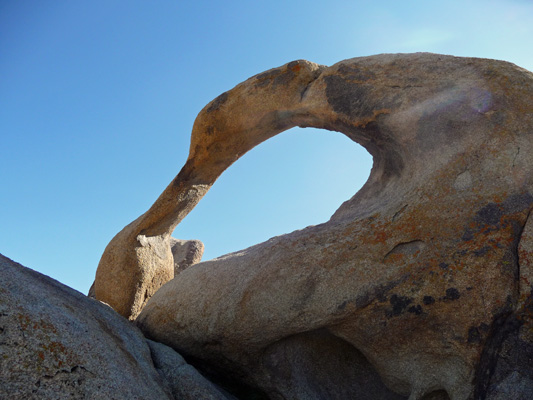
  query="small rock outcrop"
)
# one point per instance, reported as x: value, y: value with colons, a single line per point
x: 185, y: 253
x: 422, y: 279
x: 55, y: 343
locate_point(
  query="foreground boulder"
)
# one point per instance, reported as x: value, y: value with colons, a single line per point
x: 423, y: 276
x: 56, y: 343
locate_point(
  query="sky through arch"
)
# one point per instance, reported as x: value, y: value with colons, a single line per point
x: 281, y: 185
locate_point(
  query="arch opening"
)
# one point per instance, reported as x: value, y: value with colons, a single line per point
x: 293, y: 180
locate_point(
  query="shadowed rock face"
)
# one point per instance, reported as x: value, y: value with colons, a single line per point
x: 185, y: 253
x: 424, y: 272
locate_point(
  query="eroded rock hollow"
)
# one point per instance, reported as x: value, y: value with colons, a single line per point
x: 418, y: 286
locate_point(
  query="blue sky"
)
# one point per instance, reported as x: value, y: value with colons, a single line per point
x: 97, y: 101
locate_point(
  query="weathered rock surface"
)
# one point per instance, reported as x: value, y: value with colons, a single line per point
x: 423, y: 276
x: 56, y: 343
x: 185, y: 253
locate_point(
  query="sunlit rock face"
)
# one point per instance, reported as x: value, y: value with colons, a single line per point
x: 56, y: 343
x: 420, y: 285
x: 184, y: 254
x: 139, y: 259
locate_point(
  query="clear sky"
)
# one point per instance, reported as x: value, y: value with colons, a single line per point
x: 97, y: 101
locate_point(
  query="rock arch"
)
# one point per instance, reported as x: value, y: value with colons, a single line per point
x: 402, y: 270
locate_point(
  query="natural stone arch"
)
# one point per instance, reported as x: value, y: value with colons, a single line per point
x: 411, y: 256
x: 138, y: 260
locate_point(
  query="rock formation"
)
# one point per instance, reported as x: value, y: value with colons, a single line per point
x: 138, y: 260
x: 184, y: 254
x: 56, y: 343
x: 419, y: 287
x: 423, y: 278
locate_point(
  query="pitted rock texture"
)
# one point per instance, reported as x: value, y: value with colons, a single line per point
x: 424, y: 272
x: 185, y: 253
x: 56, y: 343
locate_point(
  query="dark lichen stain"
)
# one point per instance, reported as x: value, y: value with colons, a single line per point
x: 452, y: 294
x: 474, y: 336
x: 415, y: 309
x: 489, y: 215
x: 486, y: 219
x: 399, y: 304
x: 481, y: 252
x: 380, y: 291
x: 492, y: 216
x: 443, y: 265
x: 381, y: 296
x: 348, y: 98
x: 428, y: 300
x: 362, y: 301
x: 517, y: 203
x: 468, y: 235
x: 215, y: 104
